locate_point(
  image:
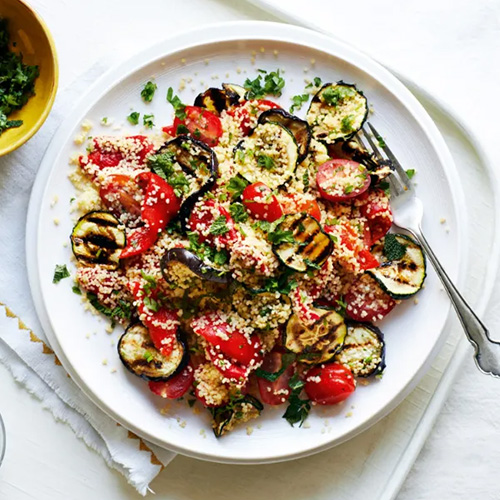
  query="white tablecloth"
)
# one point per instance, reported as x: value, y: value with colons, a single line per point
x: 449, y: 47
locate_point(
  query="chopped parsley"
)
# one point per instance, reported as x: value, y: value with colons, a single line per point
x: 386, y: 187
x: 315, y: 83
x: 393, y: 249
x: 286, y: 360
x: 204, y: 251
x: 162, y: 164
x: 279, y: 236
x: 148, y: 356
x: 341, y: 306
x: 133, y: 118
x: 305, y: 180
x: 236, y: 186
x: 310, y: 263
x: 346, y: 125
x: 298, y: 100
x: 182, y: 129
x: 335, y: 95
x: 76, y: 289
x: 219, y: 226
x: 122, y: 311
x: 177, y: 104
x: 238, y: 212
x: 104, y: 120
x: 381, y: 142
x: 148, y: 92
x: 348, y: 189
x: 60, y: 272
x: 272, y: 84
x: 298, y: 409
x: 410, y: 173
x: 265, y: 161
x: 148, y: 121
x: 17, y: 81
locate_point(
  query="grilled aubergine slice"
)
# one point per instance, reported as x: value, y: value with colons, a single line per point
x: 317, y: 343
x: 310, y: 247
x: 217, y: 100
x: 196, y: 162
x: 364, y: 350
x: 337, y: 112
x: 98, y: 238
x: 298, y: 127
x: 225, y: 417
x: 269, y: 155
x: 139, y: 355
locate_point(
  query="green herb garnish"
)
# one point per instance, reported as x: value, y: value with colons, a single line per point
x: 298, y: 100
x: 60, y: 272
x: 236, y: 186
x: 286, y: 360
x: 272, y: 85
x: 219, y: 226
x: 148, y: 92
x: 298, y: 409
x: 133, y: 118
x: 265, y: 161
x: 393, y: 249
x: 279, y: 236
x: 334, y: 95
x: 410, y: 173
x: 148, y: 121
x: 175, y: 101
x: 238, y: 212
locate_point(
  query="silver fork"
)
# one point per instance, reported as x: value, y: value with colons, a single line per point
x: 408, y: 212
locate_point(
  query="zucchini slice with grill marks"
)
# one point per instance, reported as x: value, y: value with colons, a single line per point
x: 298, y: 127
x: 317, y: 343
x: 364, y: 350
x: 337, y: 111
x: 403, y: 277
x: 239, y: 410
x: 192, y: 265
x: 195, y: 163
x: 311, y: 245
x: 269, y: 155
x: 98, y: 238
x: 217, y: 100
x: 139, y: 355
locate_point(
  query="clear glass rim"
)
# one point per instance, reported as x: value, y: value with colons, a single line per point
x: 2, y: 440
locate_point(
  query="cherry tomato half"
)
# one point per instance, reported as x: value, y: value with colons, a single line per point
x: 176, y: 386
x: 201, y: 124
x: 329, y: 384
x: 341, y: 180
x: 247, y: 113
x: 366, y: 301
x: 120, y: 194
x: 277, y: 392
x: 260, y: 201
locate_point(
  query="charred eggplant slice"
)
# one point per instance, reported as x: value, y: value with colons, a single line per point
x: 298, y: 127
x: 238, y: 410
x: 98, y: 238
x: 404, y: 272
x: 268, y: 155
x: 337, y: 111
x: 139, y: 355
x: 364, y: 350
x: 317, y: 343
x: 217, y: 100
x: 189, y: 164
x: 237, y: 90
x: 306, y: 245
x: 190, y: 264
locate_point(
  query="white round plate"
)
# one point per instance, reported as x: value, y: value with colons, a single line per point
x: 209, y: 56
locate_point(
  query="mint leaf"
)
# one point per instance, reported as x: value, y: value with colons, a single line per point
x: 393, y: 249
x: 60, y: 272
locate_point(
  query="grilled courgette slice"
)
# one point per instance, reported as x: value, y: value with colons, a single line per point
x: 337, y: 111
x: 188, y: 159
x: 317, y: 343
x: 402, y: 278
x: 139, y: 355
x: 298, y: 127
x: 217, y: 100
x: 98, y: 238
x: 364, y: 350
x: 240, y: 410
x: 268, y: 155
x: 311, y: 246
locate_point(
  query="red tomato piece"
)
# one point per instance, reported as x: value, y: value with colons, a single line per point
x: 341, y: 180
x: 202, y: 218
x: 277, y: 392
x: 244, y: 112
x: 367, y: 260
x: 176, y: 386
x: 170, y: 130
x: 309, y: 207
x: 260, y: 201
x: 146, y: 147
x: 374, y: 206
x: 201, y: 124
x: 229, y: 369
x: 160, y: 203
x: 227, y: 339
x: 329, y: 384
x: 138, y: 241
x: 104, y: 160
x: 366, y: 301
x: 120, y: 194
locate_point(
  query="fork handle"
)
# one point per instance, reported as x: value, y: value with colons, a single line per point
x: 476, y: 331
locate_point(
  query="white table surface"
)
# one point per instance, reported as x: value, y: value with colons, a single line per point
x: 450, y: 47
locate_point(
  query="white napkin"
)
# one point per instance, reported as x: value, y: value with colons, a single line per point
x: 23, y: 346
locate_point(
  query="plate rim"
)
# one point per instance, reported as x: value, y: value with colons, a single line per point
x: 242, y: 30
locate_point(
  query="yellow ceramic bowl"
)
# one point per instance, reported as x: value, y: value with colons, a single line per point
x: 31, y: 37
